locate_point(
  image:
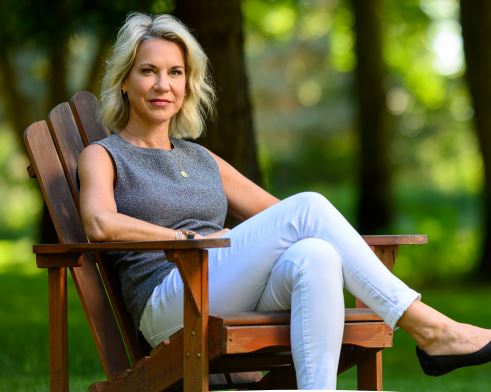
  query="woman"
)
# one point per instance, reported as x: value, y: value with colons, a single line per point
x: 146, y: 183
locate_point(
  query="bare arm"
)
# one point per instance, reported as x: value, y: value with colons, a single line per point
x: 100, y: 218
x: 244, y: 197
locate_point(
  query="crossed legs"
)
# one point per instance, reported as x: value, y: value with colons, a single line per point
x: 298, y: 254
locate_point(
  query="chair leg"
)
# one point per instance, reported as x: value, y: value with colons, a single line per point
x: 193, y: 267
x: 58, y: 342
x: 369, y: 372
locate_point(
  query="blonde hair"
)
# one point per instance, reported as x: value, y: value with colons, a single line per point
x: 200, y: 98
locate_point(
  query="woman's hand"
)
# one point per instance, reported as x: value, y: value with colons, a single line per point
x: 216, y: 234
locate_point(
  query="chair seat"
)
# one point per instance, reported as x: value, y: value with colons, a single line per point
x: 247, y: 332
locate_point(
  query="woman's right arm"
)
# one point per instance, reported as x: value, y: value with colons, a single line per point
x: 100, y: 217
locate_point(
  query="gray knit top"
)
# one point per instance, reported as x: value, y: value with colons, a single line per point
x: 149, y: 186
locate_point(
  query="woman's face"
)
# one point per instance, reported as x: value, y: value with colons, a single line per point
x: 156, y: 84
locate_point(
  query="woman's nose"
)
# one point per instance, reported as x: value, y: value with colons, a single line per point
x: 162, y: 83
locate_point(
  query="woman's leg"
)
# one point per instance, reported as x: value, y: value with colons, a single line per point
x: 258, y: 242
x: 308, y: 279
x: 238, y: 274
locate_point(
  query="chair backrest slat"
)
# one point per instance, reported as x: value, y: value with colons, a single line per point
x: 67, y: 141
x: 52, y: 181
x: 84, y: 106
x: 57, y: 187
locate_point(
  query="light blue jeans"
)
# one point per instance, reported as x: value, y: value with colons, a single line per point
x: 298, y: 255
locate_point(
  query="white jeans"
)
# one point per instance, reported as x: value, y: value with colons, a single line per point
x: 296, y: 255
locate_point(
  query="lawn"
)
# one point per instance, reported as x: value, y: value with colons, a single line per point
x: 24, y: 343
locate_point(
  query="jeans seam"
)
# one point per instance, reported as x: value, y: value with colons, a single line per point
x: 306, y: 340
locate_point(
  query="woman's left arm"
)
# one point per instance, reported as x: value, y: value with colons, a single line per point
x: 245, y: 198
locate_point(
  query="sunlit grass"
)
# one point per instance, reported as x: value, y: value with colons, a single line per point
x: 16, y: 256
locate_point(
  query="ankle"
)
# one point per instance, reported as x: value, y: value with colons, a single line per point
x: 431, y: 335
x: 427, y: 326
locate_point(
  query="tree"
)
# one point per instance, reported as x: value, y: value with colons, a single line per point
x: 218, y: 28
x: 475, y: 17
x: 48, y: 32
x: 375, y: 204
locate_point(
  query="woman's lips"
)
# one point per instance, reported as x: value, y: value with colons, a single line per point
x: 160, y: 102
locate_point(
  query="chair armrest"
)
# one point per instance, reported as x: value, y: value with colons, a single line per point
x: 70, y: 255
x: 141, y: 246
x: 388, y: 240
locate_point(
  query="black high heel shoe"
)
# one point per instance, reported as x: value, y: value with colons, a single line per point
x: 437, y: 365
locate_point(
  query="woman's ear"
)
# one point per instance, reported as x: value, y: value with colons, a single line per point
x: 123, y: 87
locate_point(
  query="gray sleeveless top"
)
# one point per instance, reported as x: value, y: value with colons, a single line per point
x: 149, y: 186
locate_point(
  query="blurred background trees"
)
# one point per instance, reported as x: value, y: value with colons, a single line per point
x: 364, y: 101
x: 373, y: 129
x: 475, y: 18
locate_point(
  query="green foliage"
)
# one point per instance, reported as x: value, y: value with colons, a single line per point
x: 303, y: 92
x: 300, y: 60
x: 20, y: 206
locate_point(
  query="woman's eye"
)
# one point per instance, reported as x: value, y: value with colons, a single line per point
x: 147, y: 70
x: 176, y: 72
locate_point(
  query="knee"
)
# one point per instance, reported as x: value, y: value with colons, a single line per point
x: 316, y: 256
x: 312, y: 201
x: 310, y: 198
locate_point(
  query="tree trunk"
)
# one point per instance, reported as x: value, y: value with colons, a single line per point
x: 15, y: 107
x: 475, y: 17
x: 96, y: 69
x: 57, y: 83
x: 218, y: 27
x: 375, y: 204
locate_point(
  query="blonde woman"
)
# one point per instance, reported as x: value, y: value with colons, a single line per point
x: 145, y: 182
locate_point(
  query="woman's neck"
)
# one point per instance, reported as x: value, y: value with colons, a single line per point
x: 156, y: 137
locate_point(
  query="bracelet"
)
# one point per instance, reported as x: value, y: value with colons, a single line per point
x: 180, y: 235
x: 185, y: 235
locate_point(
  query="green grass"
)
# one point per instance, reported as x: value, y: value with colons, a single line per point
x: 401, y: 369
x: 24, y: 340
x: 24, y: 358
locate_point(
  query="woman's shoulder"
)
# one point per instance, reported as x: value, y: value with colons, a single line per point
x: 93, y: 151
x: 108, y: 141
x: 197, y: 152
x: 190, y: 147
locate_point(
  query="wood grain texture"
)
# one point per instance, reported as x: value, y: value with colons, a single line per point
x: 68, y: 143
x: 247, y: 339
x: 412, y: 239
x: 275, y: 318
x: 84, y: 106
x: 141, y: 246
x: 369, y: 372
x: 58, y: 261
x: 155, y: 372
x: 58, y: 330
x: 63, y: 210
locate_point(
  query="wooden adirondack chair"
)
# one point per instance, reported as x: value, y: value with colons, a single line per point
x: 227, y: 345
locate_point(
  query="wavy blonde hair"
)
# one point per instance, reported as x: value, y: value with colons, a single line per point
x: 200, y: 98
